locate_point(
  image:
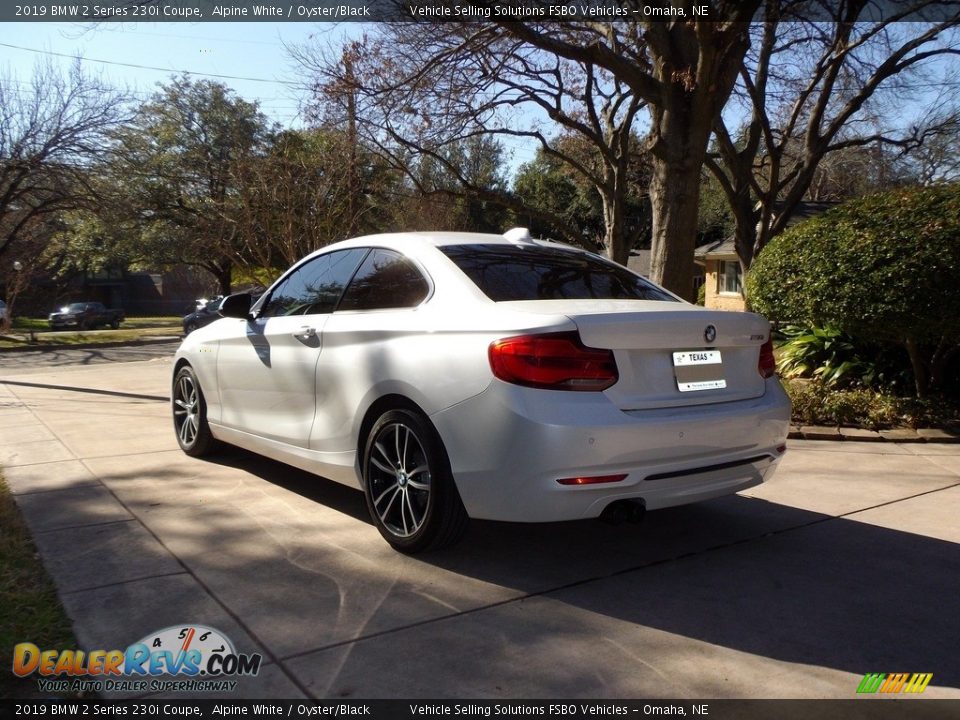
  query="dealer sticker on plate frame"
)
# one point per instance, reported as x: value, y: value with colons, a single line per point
x: 698, y: 370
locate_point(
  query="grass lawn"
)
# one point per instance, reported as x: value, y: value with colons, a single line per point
x: 29, y: 608
x: 131, y: 330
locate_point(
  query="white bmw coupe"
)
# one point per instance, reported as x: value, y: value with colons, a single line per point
x: 458, y: 375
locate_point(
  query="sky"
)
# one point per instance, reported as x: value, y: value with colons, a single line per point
x: 252, y: 50
x: 255, y: 51
x: 248, y: 50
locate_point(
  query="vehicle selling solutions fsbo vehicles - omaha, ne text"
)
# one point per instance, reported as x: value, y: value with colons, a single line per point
x: 456, y: 375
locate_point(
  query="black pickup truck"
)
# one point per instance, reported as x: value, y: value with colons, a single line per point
x: 85, y: 316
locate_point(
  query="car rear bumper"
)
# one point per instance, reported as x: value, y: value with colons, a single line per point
x: 509, y: 446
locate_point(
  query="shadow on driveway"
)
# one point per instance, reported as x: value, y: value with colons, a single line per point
x: 741, y: 573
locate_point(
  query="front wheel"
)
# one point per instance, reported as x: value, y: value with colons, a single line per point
x: 409, y: 488
x: 115, y: 323
x: 190, y: 415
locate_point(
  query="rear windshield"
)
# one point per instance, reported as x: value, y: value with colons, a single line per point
x: 515, y: 272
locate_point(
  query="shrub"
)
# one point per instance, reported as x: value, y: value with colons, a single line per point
x: 884, y: 268
x: 816, y: 404
x: 839, y: 360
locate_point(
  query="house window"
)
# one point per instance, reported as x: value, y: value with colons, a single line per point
x: 729, y: 278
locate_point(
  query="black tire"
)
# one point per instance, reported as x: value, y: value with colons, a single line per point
x: 115, y: 323
x: 191, y: 326
x: 404, y: 460
x: 189, y: 410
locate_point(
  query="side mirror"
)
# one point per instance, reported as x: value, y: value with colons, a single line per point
x: 236, y: 306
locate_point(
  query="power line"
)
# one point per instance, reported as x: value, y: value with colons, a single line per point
x: 195, y: 37
x: 149, y: 67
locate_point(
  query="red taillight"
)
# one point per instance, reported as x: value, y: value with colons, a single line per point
x: 594, y: 480
x: 767, y: 365
x: 555, y: 361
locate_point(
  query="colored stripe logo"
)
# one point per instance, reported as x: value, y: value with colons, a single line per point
x: 894, y: 683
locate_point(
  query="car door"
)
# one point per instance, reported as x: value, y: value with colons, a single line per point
x: 370, y: 335
x: 267, y: 368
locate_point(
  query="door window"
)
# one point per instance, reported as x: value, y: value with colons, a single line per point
x: 315, y: 286
x: 386, y: 279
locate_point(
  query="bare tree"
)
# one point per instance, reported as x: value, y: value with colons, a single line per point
x: 296, y: 197
x: 414, y: 92
x: 823, y: 79
x: 53, y: 132
x: 684, y: 68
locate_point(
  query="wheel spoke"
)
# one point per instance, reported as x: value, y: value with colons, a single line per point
x: 418, y: 485
x: 406, y: 441
x: 380, y: 465
x: 185, y: 389
x: 396, y: 442
x: 403, y: 515
x: 181, y: 403
x: 418, y: 469
x: 381, y: 495
x: 185, y: 431
x: 383, y: 515
x: 413, y: 516
x: 386, y: 457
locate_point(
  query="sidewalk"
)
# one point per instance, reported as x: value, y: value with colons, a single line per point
x: 845, y: 563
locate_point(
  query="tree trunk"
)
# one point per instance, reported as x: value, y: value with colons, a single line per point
x: 920, y: 379
x: 675, y: 200
x: 225, y: 279
x: 615, y: 241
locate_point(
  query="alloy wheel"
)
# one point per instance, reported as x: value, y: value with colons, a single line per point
x: 400, y: 480
x: 186, y: 413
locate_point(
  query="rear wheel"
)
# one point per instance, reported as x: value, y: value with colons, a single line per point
x: 409, y: 488
x: 190, y: 415
x: 115, y: 323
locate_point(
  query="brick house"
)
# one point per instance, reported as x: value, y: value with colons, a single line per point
x: 723, y: 277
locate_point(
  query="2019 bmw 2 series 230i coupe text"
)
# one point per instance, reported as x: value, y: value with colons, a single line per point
x: 458, y: 375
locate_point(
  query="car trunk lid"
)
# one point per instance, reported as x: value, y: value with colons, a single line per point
x: 669, y: 354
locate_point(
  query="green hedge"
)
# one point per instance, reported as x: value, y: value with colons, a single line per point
x: 883, y: 268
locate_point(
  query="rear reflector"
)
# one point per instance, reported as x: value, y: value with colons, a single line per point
x: 591, y: 480
x: 554, y: 361
x: 767, y: 364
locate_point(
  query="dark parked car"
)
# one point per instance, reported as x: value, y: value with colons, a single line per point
x: 203, y: 315
x: 85, y: 316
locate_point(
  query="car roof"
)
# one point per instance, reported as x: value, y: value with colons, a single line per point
x: 437, y: 239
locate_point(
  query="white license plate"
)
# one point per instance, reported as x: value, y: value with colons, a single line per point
x: 698, y: 370
x: 696, y: 357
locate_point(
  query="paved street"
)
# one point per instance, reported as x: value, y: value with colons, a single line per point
x: 27, y: 361
x: 846, y: 563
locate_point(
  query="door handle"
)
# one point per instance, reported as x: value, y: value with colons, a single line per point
x: 306, y: 332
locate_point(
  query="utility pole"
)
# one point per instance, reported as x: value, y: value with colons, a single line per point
x: 352, y: 184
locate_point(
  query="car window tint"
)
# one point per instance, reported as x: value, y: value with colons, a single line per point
x: 385, y: 280
x: 535, y: 272
x: 314, y: 287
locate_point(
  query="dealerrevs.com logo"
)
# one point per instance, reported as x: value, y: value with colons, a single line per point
x: 180, y: 658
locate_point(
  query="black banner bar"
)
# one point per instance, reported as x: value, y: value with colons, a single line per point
x: 866, y: 708
x: 106, y: 11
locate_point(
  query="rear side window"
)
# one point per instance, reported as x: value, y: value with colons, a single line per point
x: 512, y: 272
x: 386, y: 279
x: 314, y: 287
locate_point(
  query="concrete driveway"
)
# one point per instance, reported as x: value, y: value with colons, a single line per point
x: 847, y: 563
